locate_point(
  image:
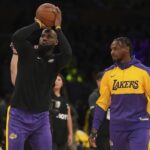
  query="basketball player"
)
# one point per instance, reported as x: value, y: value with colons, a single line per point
x: 28, y: 115
x: 125, y: 87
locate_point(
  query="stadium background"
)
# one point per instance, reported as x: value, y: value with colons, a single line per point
x: 90, y: 26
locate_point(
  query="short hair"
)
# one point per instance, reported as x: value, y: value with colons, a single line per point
x: 125, y: 41
x: 48, y: 30
x: 99, y: 75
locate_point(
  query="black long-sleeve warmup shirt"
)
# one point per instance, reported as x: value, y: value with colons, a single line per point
x: 35, y: 76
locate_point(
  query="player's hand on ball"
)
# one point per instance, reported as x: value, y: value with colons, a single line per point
x: 58, y: 19
x: 42, y: 26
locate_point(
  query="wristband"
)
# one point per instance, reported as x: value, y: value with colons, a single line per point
x: 93, y: 135
x: 58, y: 27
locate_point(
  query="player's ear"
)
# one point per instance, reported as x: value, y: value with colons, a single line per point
x: 127, y: 49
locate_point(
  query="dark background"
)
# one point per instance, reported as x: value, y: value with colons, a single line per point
x: 90, y: 26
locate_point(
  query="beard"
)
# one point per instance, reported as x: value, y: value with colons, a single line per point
x: 116, y: 60
x: 46, y: 51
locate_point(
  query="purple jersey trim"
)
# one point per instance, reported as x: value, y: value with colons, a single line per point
x: 110, y: 68
x: 141, y: 66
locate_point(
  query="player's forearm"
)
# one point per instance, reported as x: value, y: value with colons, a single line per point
x: 64, y: 45
x: 99, y: 115
x: 13, y: 68
x: 25, y: 32
x: 13, y: 77
x: 69, y: 123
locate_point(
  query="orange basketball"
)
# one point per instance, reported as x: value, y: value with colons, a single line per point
x: 45, y: 15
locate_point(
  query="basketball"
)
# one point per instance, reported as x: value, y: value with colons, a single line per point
x: 45, y: 15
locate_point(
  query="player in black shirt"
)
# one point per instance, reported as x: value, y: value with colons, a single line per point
x: 28, y: 115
